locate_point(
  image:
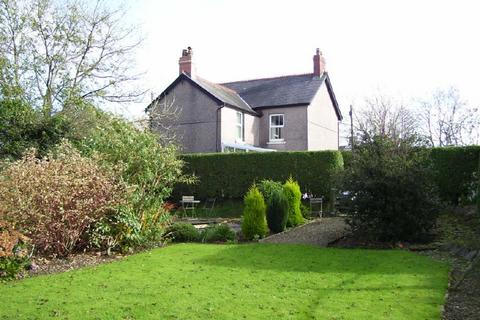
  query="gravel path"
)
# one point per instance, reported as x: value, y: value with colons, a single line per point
x: 319, y: 232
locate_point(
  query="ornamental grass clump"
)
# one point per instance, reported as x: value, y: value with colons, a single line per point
x: 254, y: 222
x: 55, y: 200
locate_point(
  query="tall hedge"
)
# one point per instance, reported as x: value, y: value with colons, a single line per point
x: 229, y: 175
x: 478, y: 186
x: 454, y: 169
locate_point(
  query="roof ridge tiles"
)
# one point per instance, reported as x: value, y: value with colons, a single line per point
x: 268, y: 78
x: 218, y: 85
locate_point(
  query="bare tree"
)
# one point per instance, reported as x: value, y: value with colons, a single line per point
x: 60, y: 51
x: 446, y: 119
x: 385, y: 116
x: 163, y: 119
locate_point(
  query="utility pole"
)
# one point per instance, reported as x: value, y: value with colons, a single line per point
x: 351, y: 126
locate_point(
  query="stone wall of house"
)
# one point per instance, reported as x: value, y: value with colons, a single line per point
x: 198, y: 127
x: 295, y: 128
x: 322, y: 122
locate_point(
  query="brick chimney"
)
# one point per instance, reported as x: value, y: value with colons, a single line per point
x: 318, y: 64
x: 186, y: 64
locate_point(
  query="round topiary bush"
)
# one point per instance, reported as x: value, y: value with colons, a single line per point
x: 183, y: 232
x: 218, y: 233
x: 277, y: 211
x: 254, y: 222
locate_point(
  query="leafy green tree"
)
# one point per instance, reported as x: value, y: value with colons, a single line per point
x: 56, y: 51
x: 254, y: 221
x: 16, y: 122
x: 390, y: 194
x: 21, y: 127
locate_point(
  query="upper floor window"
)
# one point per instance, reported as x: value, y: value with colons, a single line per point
x: 239, y: 126
x: 276, y: 127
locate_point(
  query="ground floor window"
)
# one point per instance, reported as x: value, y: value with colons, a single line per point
x: 276, y: 127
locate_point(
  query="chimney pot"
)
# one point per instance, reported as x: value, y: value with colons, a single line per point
x: 185, y: 62
x: 318, y: 63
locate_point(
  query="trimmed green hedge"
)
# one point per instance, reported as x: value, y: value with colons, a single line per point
x: 454, y: 171
x: 347, y: 158
x: 478, y: 186
x: 230, y: 175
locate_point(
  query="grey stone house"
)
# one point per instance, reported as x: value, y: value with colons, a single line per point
x: 295, y: 112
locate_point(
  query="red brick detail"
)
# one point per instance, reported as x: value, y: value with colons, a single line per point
x: 318, y: 64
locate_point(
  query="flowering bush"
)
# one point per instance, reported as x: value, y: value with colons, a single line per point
x: 56, y: 199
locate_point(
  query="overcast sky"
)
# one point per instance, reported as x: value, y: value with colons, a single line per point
x: 403, y: 48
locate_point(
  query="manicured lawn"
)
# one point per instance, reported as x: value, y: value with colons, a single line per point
x: 258, y: 281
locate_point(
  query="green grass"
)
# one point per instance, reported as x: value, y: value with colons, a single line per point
x: 255, y: 281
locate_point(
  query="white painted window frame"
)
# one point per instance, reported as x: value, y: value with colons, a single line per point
x: 240, y: 125
x: 270, y: 127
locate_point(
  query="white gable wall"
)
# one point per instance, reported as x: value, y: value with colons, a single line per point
x: 322, y: 122
x: 228, y: 125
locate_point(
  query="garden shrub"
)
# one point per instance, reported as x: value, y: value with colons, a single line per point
x: 149, y: 169
x: 306, y: 213
x: 13, y: 252
x: 118, y: 229
x: 268, y: 187
x: 254, y: 223
x: 218, y: 233
x: 55, y: 200
x: 183, y: 232
x: 277, y: 211
x: 292, y: 192
x: 391, y: 195
x: 229, y: 175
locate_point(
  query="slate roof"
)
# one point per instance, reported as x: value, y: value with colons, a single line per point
x: 279, y: 91
x: 224, y: 94
x: 253, y: 95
